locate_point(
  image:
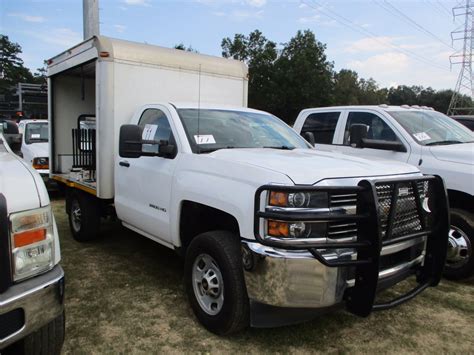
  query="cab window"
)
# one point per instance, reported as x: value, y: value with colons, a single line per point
x: 156, y: 121
x: 378, y: 129
x: 322, y: 125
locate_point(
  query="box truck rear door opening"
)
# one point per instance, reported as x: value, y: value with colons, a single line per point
x: 110, y: 79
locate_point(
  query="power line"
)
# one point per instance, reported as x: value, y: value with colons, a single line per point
x: 395, y: 11
x: 353, y: 26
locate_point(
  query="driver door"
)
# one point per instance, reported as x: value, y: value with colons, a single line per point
x: 378, y: 129
x: 144, y: 184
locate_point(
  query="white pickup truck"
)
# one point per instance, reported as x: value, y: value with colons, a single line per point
x: 31, y: 279
x: 34, y: 145
x: 427, y: 139
x: 271, y: 230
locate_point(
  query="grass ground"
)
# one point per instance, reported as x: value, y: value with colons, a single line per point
x: 124, y: 293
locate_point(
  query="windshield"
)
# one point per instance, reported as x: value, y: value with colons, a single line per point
x: 36, y: 132
x: 432, y: 128
x: 220, y: 129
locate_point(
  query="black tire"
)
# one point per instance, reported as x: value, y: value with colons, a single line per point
x: 87, y: 227
x: 463, y: 221
x: 47, y: 340
x: 224, y: 248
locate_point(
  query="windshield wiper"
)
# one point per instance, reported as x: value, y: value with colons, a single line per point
x: 282, y: 147
x: 446, y: 142
x: 210, y: 150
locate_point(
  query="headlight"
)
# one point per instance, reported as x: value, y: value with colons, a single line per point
x: 299, y: 199
x: 294, y: 201
x: 32, y: 242
x: 41, y: 163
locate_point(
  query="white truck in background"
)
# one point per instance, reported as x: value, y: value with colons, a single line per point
x: 34, y: 145
x: 429, y: 140
x: 272, y: 231
x: 31, y: 279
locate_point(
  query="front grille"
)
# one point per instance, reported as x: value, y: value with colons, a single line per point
x: 343, y: 230
x: 406, y: 215
x: 11, y: 322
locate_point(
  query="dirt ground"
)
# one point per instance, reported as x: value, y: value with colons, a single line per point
x: 124, y: 293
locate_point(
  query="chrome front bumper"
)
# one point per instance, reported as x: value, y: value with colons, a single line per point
x: 295, y: 279
x: 40, y: 299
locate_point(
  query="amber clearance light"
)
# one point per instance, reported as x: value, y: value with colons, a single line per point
x: 29, y: 237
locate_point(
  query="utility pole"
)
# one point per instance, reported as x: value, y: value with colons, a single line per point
x: 463, y: 96
x: 90, y: 9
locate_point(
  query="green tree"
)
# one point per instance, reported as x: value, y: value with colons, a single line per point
x: 12, y: 70
x: 346, y: 88
x: 303, y: 76
x: 259, y: 54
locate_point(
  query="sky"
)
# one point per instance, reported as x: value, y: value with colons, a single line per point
x: 395, y: 42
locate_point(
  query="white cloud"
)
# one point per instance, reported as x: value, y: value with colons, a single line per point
x: 240, y: 15
x: 137, y: 2
x: 371, y: 44
x: 256, y: 3
x: 60, y: 37
x: 390, y: 62
x: 28, y: 18
x: 120, y: 28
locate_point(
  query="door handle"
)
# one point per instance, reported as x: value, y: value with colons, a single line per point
x: 124, y: 163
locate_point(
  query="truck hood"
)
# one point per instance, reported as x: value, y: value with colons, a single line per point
x: 17, y: 184
x: 308, y: 166
x: 39, y: 150
x: 457, y: 153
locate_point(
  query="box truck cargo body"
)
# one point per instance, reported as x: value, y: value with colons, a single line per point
x: 102, y: 81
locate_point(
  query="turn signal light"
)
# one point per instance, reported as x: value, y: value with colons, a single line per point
x: 278, y: 198
x: 29, y: 237
x: 278, y: 229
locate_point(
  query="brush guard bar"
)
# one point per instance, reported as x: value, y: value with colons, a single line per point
x: 360, y: 299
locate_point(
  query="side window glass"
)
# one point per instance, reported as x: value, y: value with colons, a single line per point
x: 156, y: 117
x: 378, y: 129
x: 322, y: 125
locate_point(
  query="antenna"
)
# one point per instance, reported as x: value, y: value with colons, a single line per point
x: 199, y: 110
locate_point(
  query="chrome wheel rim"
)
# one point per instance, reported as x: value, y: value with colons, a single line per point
x: 76, y: 215
x: 459, y: 248
x: 208, y: 284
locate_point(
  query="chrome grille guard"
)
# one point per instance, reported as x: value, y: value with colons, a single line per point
x: 371, y: 238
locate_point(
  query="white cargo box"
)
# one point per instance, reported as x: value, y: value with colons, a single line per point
x: 109, y: 79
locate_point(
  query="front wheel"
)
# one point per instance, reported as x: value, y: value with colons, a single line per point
x: 460, y: 258
x: 215, y: 282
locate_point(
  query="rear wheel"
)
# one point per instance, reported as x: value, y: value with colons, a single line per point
x: 84, y: 216
x: 215, y: 282
x: 460, y: 258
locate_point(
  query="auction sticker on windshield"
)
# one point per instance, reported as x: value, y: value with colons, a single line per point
x: 204, y: 139
x: 422, y: 136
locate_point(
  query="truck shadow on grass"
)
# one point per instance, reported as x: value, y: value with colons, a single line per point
x: 125, y: 293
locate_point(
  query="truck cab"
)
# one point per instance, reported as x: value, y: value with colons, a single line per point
x: 34, y: 145
x: 422, y: 137
x: 31, y: 279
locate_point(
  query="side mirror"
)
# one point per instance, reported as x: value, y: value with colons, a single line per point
x: 358, y: 133
x: 309, y: 136
x: 395, y: 146
x: 130, y: 141
x: 14, y: 142
x: 131, y: 144
x: 166, y: 150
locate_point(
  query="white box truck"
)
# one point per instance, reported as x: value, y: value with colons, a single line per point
x: 271, y: 230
